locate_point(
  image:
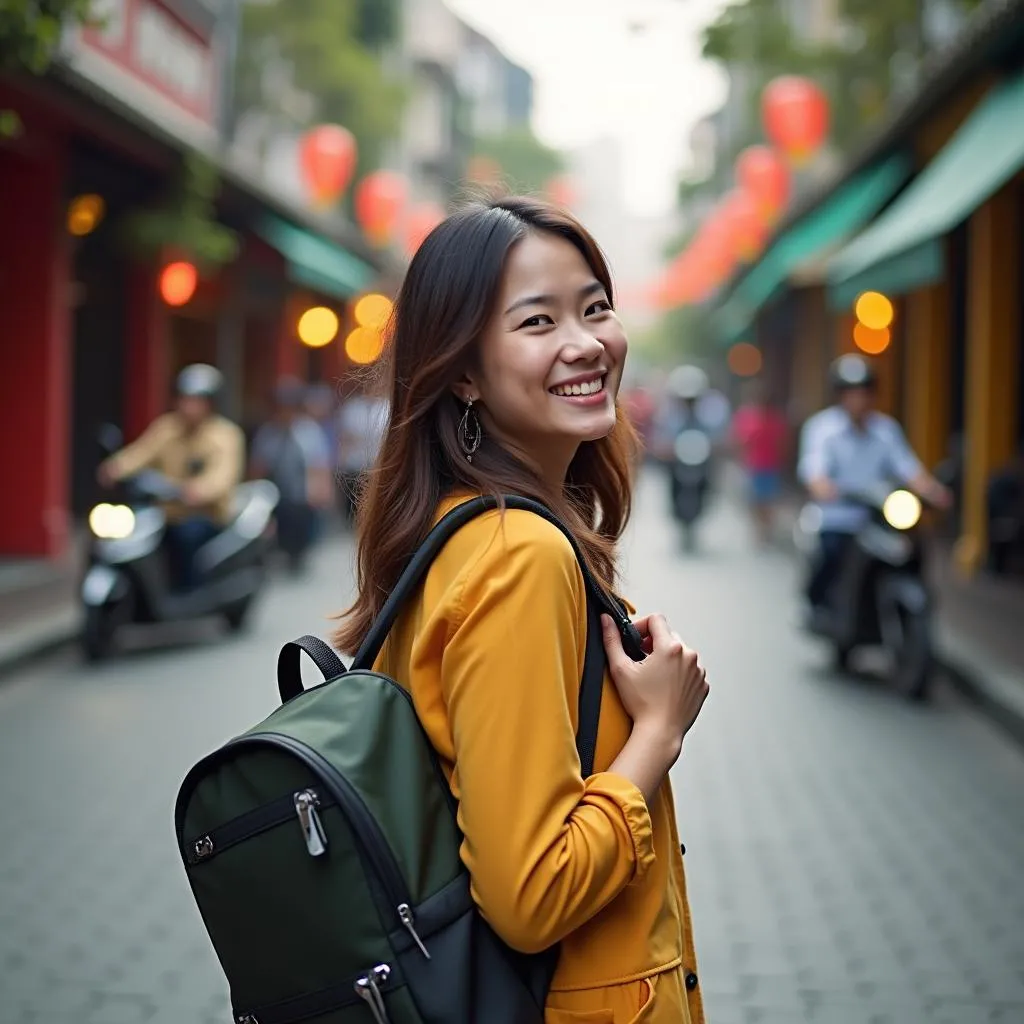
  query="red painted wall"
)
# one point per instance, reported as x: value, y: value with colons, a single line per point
x: 147, y: 385
x: 35, y: 391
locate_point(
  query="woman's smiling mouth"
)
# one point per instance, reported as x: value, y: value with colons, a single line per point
x: 582, y: 392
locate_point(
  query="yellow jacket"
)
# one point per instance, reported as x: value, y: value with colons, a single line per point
x: 492, y: 653
x: 216, y: 447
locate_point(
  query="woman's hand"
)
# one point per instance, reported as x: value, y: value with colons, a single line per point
x: 663, y: 694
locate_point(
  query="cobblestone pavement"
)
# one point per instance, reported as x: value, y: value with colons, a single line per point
x: 851, y: 859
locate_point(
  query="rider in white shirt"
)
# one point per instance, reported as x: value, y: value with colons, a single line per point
x: 846, y: 448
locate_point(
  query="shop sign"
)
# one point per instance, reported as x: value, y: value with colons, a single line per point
x: 144, y: 40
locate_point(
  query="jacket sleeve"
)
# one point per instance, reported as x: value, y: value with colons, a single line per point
x: 142, y: 452
x: 546, y: 850
x: 225, y: 470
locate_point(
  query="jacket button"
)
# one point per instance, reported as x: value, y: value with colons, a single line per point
x: 682, y: 849
x: 691, y: 981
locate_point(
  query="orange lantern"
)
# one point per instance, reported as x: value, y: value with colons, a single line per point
x: 422, y: 220
x: 327, y: 155
x: 561, y: 191
x: 742, y: 219
x: 763, y: 173
x: 379, y: 202
x: 178, y: 282
x: 796, y: 115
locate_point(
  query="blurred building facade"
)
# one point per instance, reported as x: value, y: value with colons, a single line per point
x: 461, y: 86
x: 86, y: 337
x: 929, y: 212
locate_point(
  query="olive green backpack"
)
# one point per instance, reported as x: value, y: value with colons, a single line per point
x: 323, y: 851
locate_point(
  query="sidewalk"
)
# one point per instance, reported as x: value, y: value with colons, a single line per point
x: 979, y: 634
x: 38, y: 609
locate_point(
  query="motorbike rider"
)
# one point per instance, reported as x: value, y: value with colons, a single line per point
x: 679, y: 412
x: 850, y: 447
x: 194, y: 447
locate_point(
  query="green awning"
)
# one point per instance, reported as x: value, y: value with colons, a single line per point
x: 902, y: 250
x: 845, y: 211
x: 313, y: 261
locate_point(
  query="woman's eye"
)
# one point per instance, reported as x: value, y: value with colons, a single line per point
x: 601, y: 306
x: 540, y: 320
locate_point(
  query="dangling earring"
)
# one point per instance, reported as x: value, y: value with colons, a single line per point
x: 470, y: 431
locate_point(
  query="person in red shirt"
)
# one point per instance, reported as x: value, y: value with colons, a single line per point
x: 760, y: 433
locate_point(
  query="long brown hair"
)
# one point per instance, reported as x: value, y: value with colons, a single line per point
x: 442, y: 310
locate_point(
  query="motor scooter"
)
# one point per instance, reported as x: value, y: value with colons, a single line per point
x: 128, y: 578
x: 691, y: 478
x: 880, y: 596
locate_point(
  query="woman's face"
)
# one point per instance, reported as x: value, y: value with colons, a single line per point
x: 550, y: 360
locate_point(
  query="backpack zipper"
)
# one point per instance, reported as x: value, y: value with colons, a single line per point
x: 364, y: 827
x: 368, y: 989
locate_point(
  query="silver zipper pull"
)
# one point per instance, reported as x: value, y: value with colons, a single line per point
x: 306, y: 802
x: 405, y: 914
x: 368, y: 989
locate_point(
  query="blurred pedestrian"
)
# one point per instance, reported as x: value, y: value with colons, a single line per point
x: 362, y: 420
x: 760, y: 434
x: 290, y: 450
x: 507, y: 356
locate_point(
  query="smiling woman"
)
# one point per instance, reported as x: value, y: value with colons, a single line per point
x: 504, y: 364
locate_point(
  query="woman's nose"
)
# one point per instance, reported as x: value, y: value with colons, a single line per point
x: 583, y: 345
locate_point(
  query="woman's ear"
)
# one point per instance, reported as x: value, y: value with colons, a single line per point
x: 465, y: 390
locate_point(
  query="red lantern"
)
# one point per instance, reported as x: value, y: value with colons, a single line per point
x: 561, y: 191
x: 742, y: 220
x: 796, y: 115
x: 761, y: 172
x: 422, y: 220
x: 327, y: 154
x: 379, y: 202
x: 178, y: 282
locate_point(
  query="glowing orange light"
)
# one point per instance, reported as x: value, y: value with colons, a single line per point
x: 372, y: 311
x: 84, y: 214
x: 318, y: 327
x: 873, y: 342
x: 874, y: 310
x: 364, y: 345
x: 745, y: 360
x: 178, y: 283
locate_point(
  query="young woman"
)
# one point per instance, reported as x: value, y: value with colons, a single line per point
x: 505, y: 359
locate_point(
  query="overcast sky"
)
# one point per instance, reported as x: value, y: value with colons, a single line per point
x: 595, y: 77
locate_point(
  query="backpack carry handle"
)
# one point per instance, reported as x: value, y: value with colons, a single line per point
x: 289, y: 671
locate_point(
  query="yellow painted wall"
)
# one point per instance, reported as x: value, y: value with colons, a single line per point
x: 927, y: 368
x: 993, y: 351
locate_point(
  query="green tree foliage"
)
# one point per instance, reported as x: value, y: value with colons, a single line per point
x: 333, y: 50
x: 30, y: 32
x: 526, y: 163
x: 185, y: 224
x: 860, y: 69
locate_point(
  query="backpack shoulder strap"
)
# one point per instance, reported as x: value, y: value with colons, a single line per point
x: 592, y: 681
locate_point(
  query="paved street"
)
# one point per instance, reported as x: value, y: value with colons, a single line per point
x: 851, y: 859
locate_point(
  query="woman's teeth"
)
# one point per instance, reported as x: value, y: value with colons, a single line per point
x: 590, y: 388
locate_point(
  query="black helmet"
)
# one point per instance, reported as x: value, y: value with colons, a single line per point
x: 851, y: 371
x: 200, y: 381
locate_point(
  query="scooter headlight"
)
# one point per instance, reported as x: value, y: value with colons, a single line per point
x: 902, y: 510
x: 693, y: 448
x: 112, y: 522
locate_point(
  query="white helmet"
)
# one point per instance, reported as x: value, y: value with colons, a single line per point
x: 687, y: 382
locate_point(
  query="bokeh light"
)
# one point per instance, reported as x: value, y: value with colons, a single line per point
x: 318, y: 326
x: 364, y: 345
x: 178, y: 283
x: 870, y: 341
x: 372, y: 311
x: 745, y: 359
x: 84, y: 214
x: 874, y: 310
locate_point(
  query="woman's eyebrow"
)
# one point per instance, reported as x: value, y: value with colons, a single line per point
x: 540, y: 300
